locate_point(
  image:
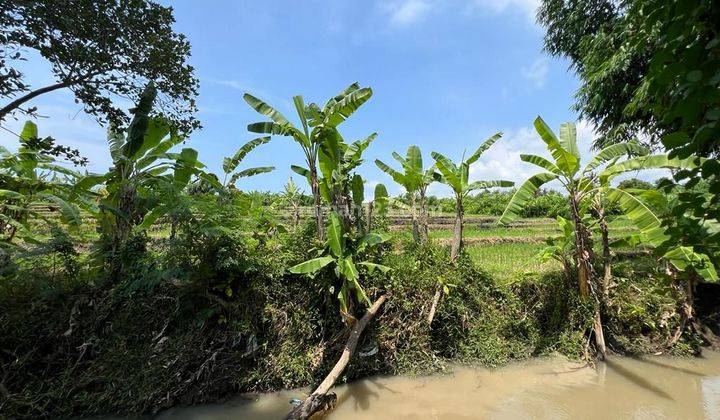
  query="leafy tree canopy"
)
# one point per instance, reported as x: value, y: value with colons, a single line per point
x: 647, y: 67
x: 100, y: 50
x: 651, y: 68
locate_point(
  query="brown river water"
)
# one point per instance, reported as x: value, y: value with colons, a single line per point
x: 546, y: 388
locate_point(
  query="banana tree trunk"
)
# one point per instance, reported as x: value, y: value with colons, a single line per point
x: 371, y: 207
x: 457, y: 236
x: 413, y: 214
x: 315, y: 187
x: 686, y: 290
x: 174, y: 221
x: 583, y: 258
x: 424, y: 232
x: 607, y: 257
x: 296, y: 215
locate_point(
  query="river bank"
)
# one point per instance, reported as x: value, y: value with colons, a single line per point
x: 82, y: 349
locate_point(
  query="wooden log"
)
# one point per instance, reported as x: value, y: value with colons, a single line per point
x: 320, y: 400
x: 433, y: 307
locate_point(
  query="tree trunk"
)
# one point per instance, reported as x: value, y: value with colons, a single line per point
x: 174, y: 220
x: 686, y: 288
x: 457, y: 236
x: 599, y: 335
x: 424, y: 232
x: 607, y: 257
x: 436, y: 300
x: 315, y: 187
x: 320, y: 400
x: 586, y: 278
x: 371, y: 206
x: 296, y: 215
x: 413, y: 214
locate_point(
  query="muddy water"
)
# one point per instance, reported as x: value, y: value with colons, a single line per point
x: 549, y: 388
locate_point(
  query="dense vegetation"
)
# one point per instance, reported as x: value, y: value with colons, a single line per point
x: 159, y: 283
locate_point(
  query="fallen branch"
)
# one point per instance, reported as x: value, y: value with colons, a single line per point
x: 433, y: 307
x: 320, y: 400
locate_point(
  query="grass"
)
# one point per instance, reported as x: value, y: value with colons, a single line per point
x: 508, y: 263
x: 542, y: 232
x: 511, y: 262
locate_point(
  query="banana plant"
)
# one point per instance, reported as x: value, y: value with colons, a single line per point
x: 560, y: 247
x: 31, y: 183
x: 230, y: 164
x: 378, y: 206
x: 292, y: 195
x: 457, y: 178
x: 340, y: 253
x: 682, y: 257
x: 317, y: 124
x: 415, y: 181
x: 584, y: 187
x: 341, y: 188
x: 145, y: 179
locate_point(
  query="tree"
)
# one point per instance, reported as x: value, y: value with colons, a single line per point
x: 457, y: 178
x: 341, y: 188
x: 585, y: 188
x: 650, y: 67
x: 581, y: 31
x: 635, y: 184
x: 347, y: 239
x: 378, y: 206
x: 341, y: 252
x: 100, y: 50
x: 317, y: 125
x: 415, y: 181
x: 144, y: 181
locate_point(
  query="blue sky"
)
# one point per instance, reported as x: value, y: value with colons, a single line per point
x: 446, y: 74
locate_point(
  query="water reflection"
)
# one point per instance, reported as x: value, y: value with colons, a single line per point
x: 636, y: 379
x: 551, y: 388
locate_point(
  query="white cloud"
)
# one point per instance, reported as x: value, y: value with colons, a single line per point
x: 536, y: 73
x: 405, y: 12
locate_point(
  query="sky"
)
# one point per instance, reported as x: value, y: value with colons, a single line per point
x: 445, y: 74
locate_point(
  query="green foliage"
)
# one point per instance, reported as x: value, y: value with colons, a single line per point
x: 650, y: 67
x: 560, y: 248
x: 587, y: 188
x: 230, y: 164
x: 102, y: 50
x: 457, y: 177
x: 414, y: 177
x: 321, y: 143
x: 342, y: 251
x: 545, y: 203
x: 31, y: 183
x: 635, y: 184
x: 145, y: 182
